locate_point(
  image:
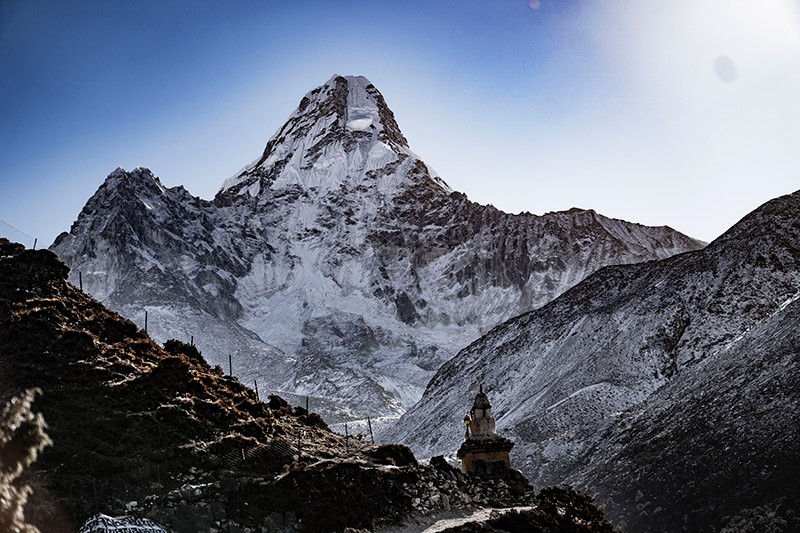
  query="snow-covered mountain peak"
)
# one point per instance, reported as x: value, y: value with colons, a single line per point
x: 356, y: 105
x: 363, y: 109
x: 140, y: 180
x: 341, y: 248
x: 342, y: 135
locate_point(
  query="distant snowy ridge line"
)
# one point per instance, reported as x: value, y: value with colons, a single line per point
x: 337, y: 265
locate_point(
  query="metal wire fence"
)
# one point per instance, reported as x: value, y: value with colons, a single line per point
x: 16, y: 235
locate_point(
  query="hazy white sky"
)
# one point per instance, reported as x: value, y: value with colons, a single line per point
x: 682, y: 113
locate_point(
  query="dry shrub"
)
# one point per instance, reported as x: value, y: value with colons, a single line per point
x: 22, y: 437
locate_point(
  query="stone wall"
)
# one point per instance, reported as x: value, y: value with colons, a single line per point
x: 249, y: 504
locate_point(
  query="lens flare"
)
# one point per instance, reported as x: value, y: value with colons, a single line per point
x: 725, y: 69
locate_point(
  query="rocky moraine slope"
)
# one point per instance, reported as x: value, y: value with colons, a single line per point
x: 338, y: 265
x: 668, y: 389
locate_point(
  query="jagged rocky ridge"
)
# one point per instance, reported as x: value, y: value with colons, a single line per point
x: 668, y: 389
x: 156, y: 433
x: 338, y: 265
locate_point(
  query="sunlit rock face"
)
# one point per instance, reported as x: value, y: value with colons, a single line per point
x: 338, y: 265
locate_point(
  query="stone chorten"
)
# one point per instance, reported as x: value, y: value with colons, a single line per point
x: 484, y: 452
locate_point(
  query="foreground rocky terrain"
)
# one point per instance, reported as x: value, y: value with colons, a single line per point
x: 667, y: 389
x: 154, y: 432
x: 338, y: 265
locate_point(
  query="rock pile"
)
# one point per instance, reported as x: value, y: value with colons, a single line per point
x: 444, y: 488
x: 303, y: 498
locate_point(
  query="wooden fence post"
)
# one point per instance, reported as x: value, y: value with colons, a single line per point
x: 369, y: 424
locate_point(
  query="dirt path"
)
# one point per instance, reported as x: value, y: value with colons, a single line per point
x: 441, y: 521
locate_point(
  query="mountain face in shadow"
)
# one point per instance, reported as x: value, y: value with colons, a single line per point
x: 667, y: 389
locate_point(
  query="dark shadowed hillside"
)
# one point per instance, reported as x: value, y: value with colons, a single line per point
x: 155, y: 432
x: 126, y: 415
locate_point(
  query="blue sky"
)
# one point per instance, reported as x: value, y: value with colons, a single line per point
x: 681, y: 113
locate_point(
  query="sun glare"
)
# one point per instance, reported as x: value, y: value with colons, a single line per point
x: 767, y: 27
